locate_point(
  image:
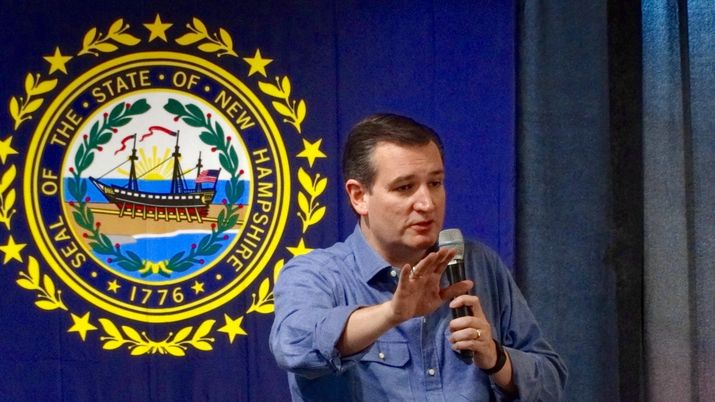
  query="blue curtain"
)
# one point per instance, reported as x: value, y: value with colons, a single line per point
x: 615, y: 212
x: 564, y: 188
x: 679, y: 158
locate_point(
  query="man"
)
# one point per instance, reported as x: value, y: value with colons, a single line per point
x: 369, y: 319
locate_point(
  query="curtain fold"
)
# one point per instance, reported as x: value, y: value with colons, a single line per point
x: 679, y: 160
x: 564, y: 189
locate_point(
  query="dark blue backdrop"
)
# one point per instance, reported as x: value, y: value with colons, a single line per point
x: 449, y: 65
x: 452, y: 67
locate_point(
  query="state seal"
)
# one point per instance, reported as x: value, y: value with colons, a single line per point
x: 157, y: 188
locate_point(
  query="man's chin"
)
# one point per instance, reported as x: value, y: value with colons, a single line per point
x: 423, y: 242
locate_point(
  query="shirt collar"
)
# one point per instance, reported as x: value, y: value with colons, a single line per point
x: 369, y: 262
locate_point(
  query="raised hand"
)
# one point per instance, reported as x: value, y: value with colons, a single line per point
x: 418, y: 292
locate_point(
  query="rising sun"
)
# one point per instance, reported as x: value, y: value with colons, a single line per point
x: 152, y: 167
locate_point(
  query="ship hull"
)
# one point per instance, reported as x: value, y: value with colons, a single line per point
x: 189, y: 205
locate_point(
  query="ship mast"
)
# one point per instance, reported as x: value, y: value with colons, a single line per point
x: 133, y: 185
x: 177, y: 177
x: 198, y: 187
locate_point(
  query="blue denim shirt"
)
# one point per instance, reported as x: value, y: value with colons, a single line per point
x: 317, y: 292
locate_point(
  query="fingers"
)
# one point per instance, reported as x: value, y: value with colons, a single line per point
x: 468, y: 300
x: 459, y: 288
x: 418, y: 274
x: 420, y: 270
x: 418, y: 291
x: 472, y: 332
x: 433, y: 263
x: 404, y: 274
x: 476, y: 321
x: 469, y: 338
x: 445, y: 256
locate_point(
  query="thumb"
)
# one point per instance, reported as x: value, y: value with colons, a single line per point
x: 457, y: 289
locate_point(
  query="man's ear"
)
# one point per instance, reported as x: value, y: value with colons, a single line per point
x: 358, y: 196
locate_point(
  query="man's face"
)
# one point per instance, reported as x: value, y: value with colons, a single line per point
x: 404, y: 211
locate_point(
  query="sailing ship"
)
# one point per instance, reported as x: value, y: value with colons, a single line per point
x: 180, y: 203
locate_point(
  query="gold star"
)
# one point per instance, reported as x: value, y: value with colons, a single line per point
x: 232, y: 327
x: 57, y: 61
x: 12, y: 250
x: 198, y: 287
x: 113, y: 286
x: 258, y: 64
x: 81, y: 325
x: 158, y: 29
x: 300, y: 249
x: 6, y: 149
x: 311, y: 151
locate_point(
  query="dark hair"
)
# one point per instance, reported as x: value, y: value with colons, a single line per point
x: 381, y: 127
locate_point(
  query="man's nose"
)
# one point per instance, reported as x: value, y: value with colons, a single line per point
x: 424, y: 200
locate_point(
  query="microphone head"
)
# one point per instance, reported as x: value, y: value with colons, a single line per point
x: 452, y: 238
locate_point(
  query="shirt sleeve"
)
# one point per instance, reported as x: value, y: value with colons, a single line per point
x: 308, y: 321
x: 539, y: 373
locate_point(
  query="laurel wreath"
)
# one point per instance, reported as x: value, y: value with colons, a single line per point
x: 8, y: 196
x: 311, y: 212
x: 22, y: 107
x: 50, y: 298
x: 140, y: 344
x: 221, y: 43
x: 213, y: 135
x: 293, y: 112
x: 99, y: 135
x: 95, y: 42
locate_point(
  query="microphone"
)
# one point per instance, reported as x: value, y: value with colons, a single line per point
x: 452, y: 238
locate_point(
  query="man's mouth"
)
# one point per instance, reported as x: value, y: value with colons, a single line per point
x: 422, y: 225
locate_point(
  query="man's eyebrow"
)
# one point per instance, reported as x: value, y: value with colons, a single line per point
x: 408, y: 177
x: 438, y: 172
x: 398, y: 179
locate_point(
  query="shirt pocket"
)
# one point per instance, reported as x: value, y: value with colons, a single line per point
x: 390, y: 353
x: 384, y: 373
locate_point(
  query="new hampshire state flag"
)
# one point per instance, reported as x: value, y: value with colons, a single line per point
x: 160, y: 161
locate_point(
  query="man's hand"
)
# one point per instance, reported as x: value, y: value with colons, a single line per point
x: 475, y: 333
x: 418, y: 292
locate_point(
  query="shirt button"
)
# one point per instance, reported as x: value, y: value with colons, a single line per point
x: 393, y: 273
x: 431, y: 372
x: 381, y: 356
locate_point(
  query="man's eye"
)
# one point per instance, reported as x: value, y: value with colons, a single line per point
x: 403, y: 188
x: 436, y: 183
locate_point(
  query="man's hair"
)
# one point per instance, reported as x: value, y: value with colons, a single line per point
x: 372, y: 130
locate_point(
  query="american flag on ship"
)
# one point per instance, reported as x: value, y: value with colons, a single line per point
x: 208, y: 176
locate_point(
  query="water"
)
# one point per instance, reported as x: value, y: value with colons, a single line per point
x: 157, y: 248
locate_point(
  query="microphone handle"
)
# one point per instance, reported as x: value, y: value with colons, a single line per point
x: 460, y: 312
x: 455, y: 273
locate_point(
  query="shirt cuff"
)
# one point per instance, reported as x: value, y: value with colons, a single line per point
x: 522, y: 368
x: 499, y: 393
x: 329, y: 331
